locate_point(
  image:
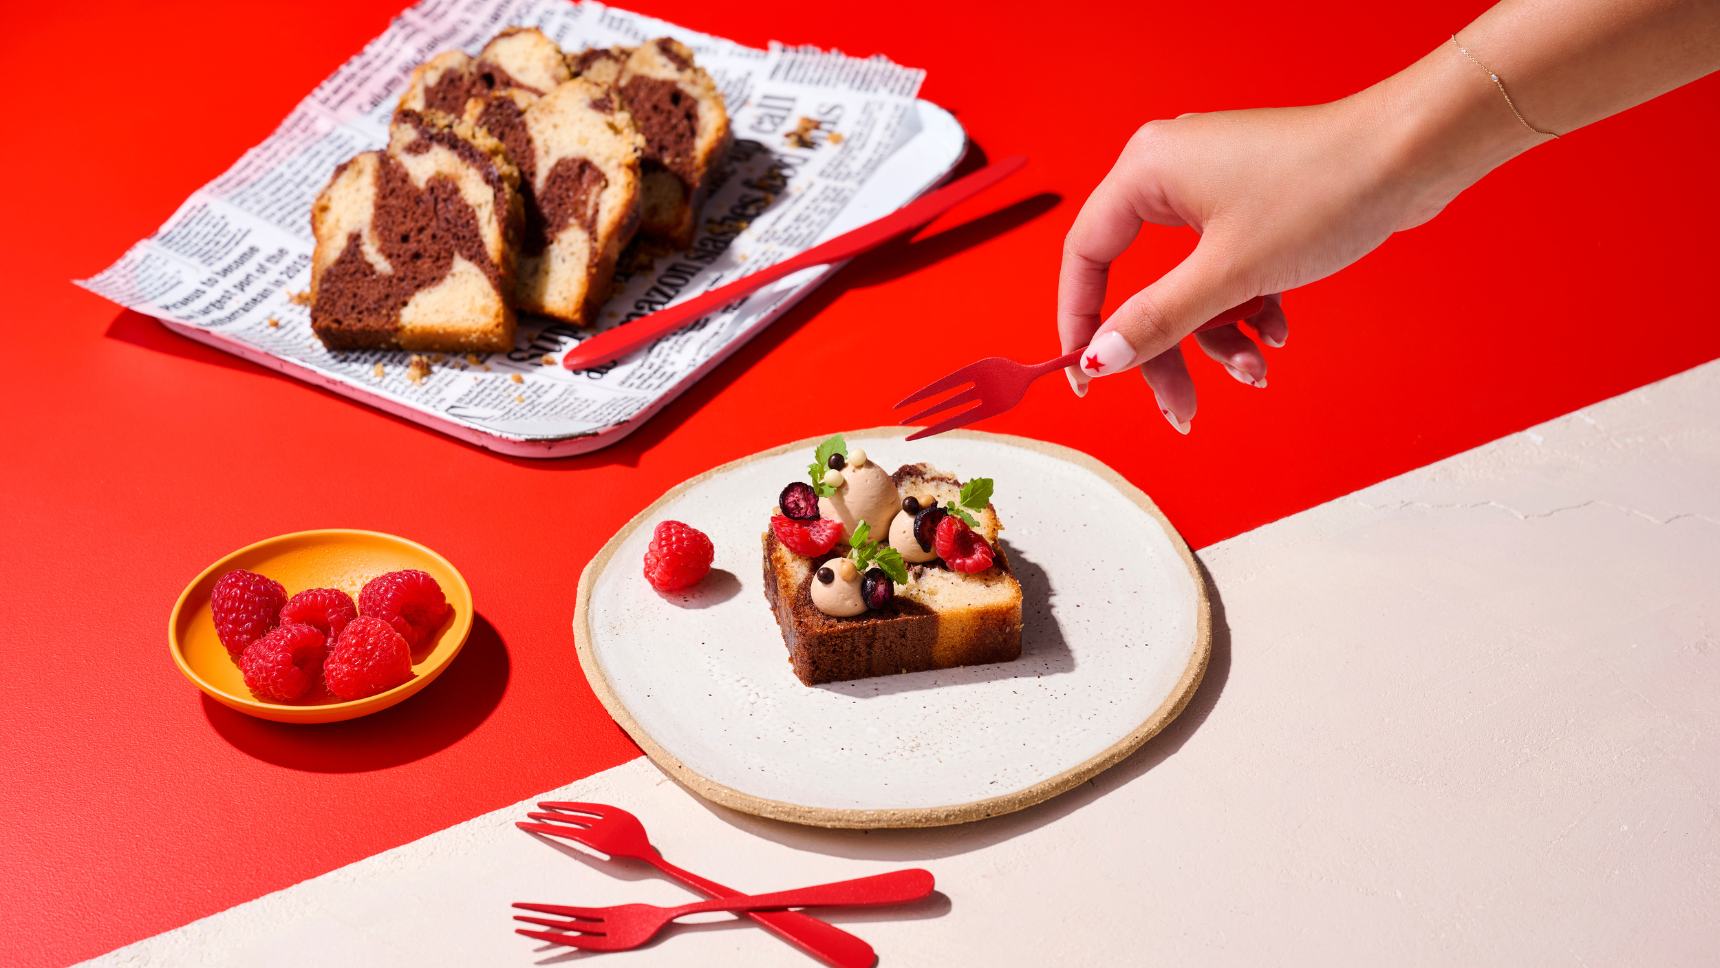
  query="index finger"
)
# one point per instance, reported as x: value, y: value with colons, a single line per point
x: 1107, y: 223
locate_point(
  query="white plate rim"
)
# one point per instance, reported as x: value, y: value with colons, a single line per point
x: 897, y: 817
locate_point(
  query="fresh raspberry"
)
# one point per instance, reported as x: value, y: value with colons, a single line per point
x: 281, y: 665
x: 679, y: 556
x: 809, y: 539
x: 960, y: 548
x: 410, y: 600
x: 325, y: 609
x: 246, y: 606
x: 368, y: 658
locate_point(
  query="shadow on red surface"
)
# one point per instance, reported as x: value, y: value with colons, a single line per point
x: 449, y: 708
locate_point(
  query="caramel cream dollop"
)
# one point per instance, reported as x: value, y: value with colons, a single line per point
x: 864, y: 492
x: 841, y: 597
x: 902, y: 539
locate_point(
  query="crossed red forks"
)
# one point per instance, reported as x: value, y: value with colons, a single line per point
x: 618, y: 834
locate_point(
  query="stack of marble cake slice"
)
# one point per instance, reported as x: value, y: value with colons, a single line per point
x: 580, y: 154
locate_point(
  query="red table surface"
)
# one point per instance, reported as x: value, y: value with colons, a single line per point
x: 134, y: 457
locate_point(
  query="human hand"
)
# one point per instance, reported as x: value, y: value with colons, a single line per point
x: 1280, y: 197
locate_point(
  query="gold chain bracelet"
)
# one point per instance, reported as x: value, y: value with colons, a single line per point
x: 1494, y: 77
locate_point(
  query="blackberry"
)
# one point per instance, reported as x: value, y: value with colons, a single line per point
x: 877, y: 589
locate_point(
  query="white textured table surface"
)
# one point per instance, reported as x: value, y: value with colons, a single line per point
x: 1470, y: 715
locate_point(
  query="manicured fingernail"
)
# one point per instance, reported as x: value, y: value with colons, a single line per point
x: 1108, y: 353
x: 1273, y: 341
x: 1076, y: 383
x: 1180, y: 424
x: 1241, y: 376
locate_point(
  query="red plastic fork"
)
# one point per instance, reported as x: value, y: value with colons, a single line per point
x: 627, y: 926
x: 622, y: 340
x: 999, y: 383
x: 617, y: 833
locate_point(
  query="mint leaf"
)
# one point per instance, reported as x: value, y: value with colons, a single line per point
x: 976, y: 493
x: 816, y: 472
x: 890, y: 560
x: 821, y: 463
x: 961, y: 512
x: 867, y: 553
x: 832, y: 446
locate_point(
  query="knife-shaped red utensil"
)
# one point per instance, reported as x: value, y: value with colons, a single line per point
x: 622, y: 340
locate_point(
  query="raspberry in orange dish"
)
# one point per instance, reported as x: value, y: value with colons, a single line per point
x: 410, y: 601
x: 368, y: 658
x: 245, y: 606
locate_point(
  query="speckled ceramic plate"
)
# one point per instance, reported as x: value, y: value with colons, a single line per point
x: 1116, y: 637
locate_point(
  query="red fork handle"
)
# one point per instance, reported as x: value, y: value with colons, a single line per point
x: 1234, y: 314
x: 618, y: 342
x: 826, y: 942
x: 896, y: 887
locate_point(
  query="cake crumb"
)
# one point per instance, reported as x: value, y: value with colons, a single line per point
x: 379, y: 371
x: 274, y: 323
x: 438, y: 357
x: 834, y: 137
x: 473, y: 359
x: 516, y: 378
x: 801, y: 136
x: 300, y: 298
x: 417, y: 368
x: 519, y: 399
x: 548, y: 359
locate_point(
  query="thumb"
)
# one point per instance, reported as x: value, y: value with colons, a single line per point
x: 1155, y: 319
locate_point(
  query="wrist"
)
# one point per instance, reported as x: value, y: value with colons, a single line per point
x: 1442, y: 125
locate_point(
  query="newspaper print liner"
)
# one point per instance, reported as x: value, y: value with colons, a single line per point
x: 225, y: 267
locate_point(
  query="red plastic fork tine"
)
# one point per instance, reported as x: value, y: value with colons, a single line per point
x: 551, y: 830
x: 963, y: 375
x: 960, y: 399
x: 566, y: 820
x: 593, y: 809
x: 561, y: 909
x: 577, y: 927
x: 557, y: 937
x: 959, y: 420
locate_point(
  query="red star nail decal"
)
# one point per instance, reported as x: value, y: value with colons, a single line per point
x: 1091, y: 362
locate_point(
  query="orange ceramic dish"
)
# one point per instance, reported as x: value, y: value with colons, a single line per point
x: 331, y: 558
